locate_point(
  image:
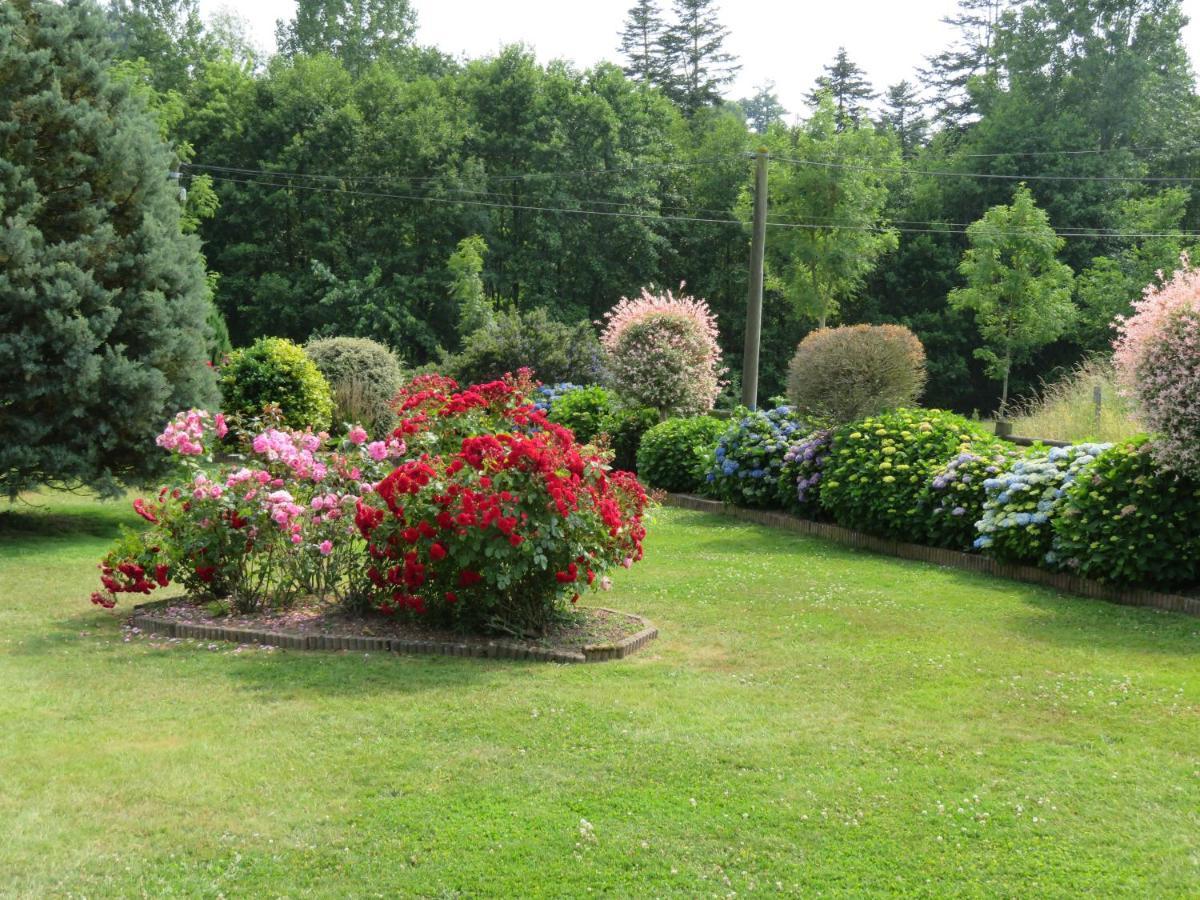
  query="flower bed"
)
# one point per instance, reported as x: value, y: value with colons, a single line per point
x: 593, y: 634
x: 477, y: 512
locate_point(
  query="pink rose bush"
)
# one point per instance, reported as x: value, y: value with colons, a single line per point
x: 274, y: 526
x: 1157, y: 358
x: 662, y: 352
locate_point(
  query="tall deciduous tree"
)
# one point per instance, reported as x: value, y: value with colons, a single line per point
x: 847, y: 86
x: 1019, y: 291
x: 763, y: 109
x: 167, y: 34
x: 641, y: 44
x: 904, y: 114
x: 837, y: 198
x: 694, y: 45
x: 355, y: 31
x: 972, y: 61
x: 102, y: 297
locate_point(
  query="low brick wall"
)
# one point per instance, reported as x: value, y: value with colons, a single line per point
x: 970, y: 562
x: 144, y: 618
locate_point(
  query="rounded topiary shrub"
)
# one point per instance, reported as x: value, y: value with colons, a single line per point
x: 1157, y: 358
x: 364, y: 376
x: 674, y: 454
x: 583, y: 410
x: 276, y: 372
x: 748, y: 460
x: 662, y: 352
x: 1022, y: 502
x: 1129, y: 520
x: 624, y: 428
x: 878, y: 468
x: 841, y: 375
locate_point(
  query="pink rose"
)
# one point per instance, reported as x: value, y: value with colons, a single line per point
x: 377, y: 450
x: 357, y: 435
x: 222, y: 428
x: 326, y: 547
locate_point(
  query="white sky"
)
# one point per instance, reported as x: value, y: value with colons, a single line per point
x: 787, y: 43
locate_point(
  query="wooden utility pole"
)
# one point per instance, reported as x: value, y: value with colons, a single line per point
x: 758, y: 243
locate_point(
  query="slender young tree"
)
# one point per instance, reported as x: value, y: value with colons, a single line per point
x: 641, y: 44
x: 465, y: 267
x: 847, y: 85
x: 694, y: 49
x: 763, y: 109
x: 903, y: 114
x: 1019, y: 291
x: 823, y: 266
x: 102, y: 297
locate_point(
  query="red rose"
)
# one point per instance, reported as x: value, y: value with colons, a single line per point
x: 436, y: 552
x: 139, y: 507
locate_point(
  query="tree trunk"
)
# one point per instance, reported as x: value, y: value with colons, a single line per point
x: 1004, y: 390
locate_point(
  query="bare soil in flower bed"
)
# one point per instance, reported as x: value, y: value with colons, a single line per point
x: 593, y: 632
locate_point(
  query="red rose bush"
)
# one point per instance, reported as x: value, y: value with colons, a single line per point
x: 477, y: 512
x: 499, y: 520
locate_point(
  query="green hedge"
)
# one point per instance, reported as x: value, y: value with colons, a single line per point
x: 674, y: 454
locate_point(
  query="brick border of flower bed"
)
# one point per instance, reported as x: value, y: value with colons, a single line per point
x: 970, y: 562
x: 143, y: 617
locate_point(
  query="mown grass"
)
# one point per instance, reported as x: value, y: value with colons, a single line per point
x: 812, y: 720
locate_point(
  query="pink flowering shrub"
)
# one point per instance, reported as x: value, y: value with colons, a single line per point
x: 477, y: 511
x: 662, y: 352
x: 273, y: 527
x: 1157, y: 358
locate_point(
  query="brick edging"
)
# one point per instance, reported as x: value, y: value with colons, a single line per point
x: 143, y: 617
x: 970, y: 562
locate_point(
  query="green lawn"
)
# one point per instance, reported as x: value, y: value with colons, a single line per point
x: 811, y: 720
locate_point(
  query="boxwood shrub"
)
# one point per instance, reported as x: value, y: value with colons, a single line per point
x: 583, y: 410
x: 674, y: 454
x: 364, y: 376
x: 276, y: 372
x: 878, y: 468
x: 1129, y: 520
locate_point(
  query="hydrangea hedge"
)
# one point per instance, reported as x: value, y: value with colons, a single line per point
x: 1112, y: 513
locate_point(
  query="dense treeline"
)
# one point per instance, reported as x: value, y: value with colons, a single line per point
x: 350, y: 166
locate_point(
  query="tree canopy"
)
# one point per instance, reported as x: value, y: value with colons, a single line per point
x: 104, y: 299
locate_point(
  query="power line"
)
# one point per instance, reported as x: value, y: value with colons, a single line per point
x: 1179, y: 149
x: 415, y: 179
x: 654, y: 216
x: 938, y: 226
x: 946, y: 173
